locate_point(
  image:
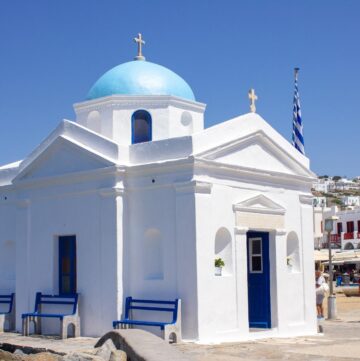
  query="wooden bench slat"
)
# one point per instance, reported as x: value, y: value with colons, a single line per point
x: 154, y: 301
x: 151, y: 309
x: 57, y: 302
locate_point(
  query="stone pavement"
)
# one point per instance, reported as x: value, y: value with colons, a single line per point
x: 340, y: 342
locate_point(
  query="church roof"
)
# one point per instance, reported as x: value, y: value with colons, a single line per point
x: 140, y: 77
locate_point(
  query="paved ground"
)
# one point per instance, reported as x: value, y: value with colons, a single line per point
x: 341, y: 341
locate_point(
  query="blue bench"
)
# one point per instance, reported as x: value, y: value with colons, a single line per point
x: 171, y: 329
x: 7, y: 315
x: 66, y: 319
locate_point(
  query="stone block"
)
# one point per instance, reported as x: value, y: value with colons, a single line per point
x: 140, y: 345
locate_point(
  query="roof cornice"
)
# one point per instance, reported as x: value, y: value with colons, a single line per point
x: 135, y: 101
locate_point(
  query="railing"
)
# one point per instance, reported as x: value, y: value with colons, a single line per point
x: 334, y: 245
x: 335, y: 241
x: 349, y: 235
x: 335, y: 238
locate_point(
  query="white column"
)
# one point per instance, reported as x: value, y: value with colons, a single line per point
x: 111, y: 256
x: 241, y: 274
x: 278, y: 272
x: 307, y: 258
x: 24, y: 301
x: 192, y: 232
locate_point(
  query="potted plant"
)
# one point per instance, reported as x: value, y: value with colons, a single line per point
x: 289, y: 261
x: 219, y: 264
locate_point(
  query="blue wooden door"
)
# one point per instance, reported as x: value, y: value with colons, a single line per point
x: 259, y: 280
x: 67, y: 264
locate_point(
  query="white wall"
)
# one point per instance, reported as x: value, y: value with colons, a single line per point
x: 111, y: 116
x: 48, y: 214
x: 7, y: 243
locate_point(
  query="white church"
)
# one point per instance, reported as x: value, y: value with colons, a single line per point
x: 138, y: 199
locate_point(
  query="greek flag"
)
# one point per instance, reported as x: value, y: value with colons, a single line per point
x: 297, y: 134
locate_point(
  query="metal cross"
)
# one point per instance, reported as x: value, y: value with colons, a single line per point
x: 252, y: 97
x: 140, y: 43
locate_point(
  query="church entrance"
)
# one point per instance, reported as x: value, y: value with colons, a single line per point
x: 258, y: 280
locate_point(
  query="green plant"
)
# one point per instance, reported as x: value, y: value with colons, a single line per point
x: 219, y: 262
x: 289, y: 260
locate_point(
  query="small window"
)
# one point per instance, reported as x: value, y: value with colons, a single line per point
x: 255, y: 256
x: 350, y: 226
x: 67, y: 265
x: 141, y: 127
x: 339, y: 227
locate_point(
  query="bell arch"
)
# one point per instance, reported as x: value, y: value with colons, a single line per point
x: 141, y: 126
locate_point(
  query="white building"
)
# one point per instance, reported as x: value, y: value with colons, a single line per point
x: 353, y: 201
x: 346, y: 232
x: 323, y: 185
x: 345, y: 184
x: 319, y: 202
x: 138, y: 199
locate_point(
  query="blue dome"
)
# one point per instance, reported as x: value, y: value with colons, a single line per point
x: 140, y: 78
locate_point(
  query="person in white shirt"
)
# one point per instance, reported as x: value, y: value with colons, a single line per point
x: 320, y: 294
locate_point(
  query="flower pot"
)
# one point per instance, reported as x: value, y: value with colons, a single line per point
x: 218, y: 271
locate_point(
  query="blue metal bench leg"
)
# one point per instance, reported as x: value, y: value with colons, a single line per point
x: 25, y: 326
x: 37, y: 325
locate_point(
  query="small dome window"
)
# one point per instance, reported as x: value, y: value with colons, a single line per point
x: 141, y: 127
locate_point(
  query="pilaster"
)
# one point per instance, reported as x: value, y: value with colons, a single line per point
x: 192, y: 232
x: 111, y: 253
x: 241, y: 275
x: 24, y: 301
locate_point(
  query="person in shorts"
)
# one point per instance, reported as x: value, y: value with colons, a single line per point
x: 320, y: 294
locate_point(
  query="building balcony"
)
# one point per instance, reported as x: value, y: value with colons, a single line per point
x: 349, y: 235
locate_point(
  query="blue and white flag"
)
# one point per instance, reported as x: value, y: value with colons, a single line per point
x: 297, y: 134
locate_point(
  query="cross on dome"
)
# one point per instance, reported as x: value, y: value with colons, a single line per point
x: 140, y: 43
x: 253, y: 97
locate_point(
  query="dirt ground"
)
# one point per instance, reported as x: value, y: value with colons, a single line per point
x: 339, y: 342
x: 345, y: 305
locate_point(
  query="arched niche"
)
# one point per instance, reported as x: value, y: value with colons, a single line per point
x: 223, y: 249
x: 94, y: 121
x: 293, y: 252
x: 153, y: 255
x: 348, y: 246
x: 141, y: 125
x: 187, y: 121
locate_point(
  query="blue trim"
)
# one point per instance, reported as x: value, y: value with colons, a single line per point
x: 67, y: 249
x: 141, y: 115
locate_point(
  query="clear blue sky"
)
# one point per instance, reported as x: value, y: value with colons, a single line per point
x: 53, y: 51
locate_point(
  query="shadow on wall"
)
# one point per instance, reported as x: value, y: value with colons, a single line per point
x: 292, y: 252
x: 153, y: 255
x: 223, y: 249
